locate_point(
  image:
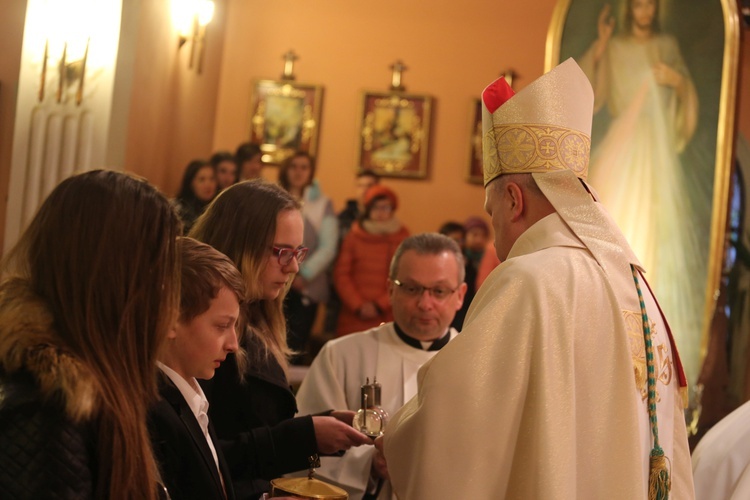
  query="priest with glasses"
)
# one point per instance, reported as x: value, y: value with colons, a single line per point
x: 426, y: 287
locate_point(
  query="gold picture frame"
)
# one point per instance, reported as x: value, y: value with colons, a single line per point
x: 394, y: 138
x: 285, y: 118
x: 699, y: 41
x: 476, y: 172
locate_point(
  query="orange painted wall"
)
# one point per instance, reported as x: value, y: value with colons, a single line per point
x: 172, y: 108
x: 452, y: 49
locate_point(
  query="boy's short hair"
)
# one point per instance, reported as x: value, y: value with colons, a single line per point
x: 204, y: 272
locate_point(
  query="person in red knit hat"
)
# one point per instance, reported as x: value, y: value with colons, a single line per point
x: 361, y: 272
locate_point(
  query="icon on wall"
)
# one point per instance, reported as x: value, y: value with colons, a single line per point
x: 285, y: 118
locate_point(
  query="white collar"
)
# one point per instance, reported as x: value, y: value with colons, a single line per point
x: 550, y: 231
x: 196, y: 400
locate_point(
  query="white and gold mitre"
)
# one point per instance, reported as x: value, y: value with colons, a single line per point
x: 544, y: 128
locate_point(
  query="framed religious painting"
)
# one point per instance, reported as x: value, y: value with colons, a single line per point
x: 664, y: 74
x: 285, y: 117
x: 476, y: 174
x: 394, y: 136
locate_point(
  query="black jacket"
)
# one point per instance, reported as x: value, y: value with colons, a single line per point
x: 187, y: 465
x: 254, y: 421
x: 48, y: 405
x: 43, y: 453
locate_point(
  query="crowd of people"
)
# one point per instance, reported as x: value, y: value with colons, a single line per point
x: 348, y: 253
x: 141, y: 362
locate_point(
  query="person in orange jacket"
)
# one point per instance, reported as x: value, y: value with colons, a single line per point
x: 361, y: 271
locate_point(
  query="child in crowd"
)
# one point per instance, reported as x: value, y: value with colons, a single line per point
x: 361, y: 271
x: 363, y: 181
x: 184, y: 441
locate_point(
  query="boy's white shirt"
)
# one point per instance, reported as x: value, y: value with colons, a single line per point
x: 197, y: 402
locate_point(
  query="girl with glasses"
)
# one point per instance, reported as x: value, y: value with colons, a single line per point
x: 259, y: 226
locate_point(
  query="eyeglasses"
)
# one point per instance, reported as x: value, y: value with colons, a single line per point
x: 285, y: 255
x: 414, y: 290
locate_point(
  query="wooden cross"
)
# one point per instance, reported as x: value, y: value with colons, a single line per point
x: 289, y: 59
x: 398, y: 68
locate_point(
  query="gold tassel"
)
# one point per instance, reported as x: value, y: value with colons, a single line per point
x: 659, y: 482
x: 685, y: 397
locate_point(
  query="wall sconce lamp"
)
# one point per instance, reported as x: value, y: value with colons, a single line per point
x: 68, y: 72
x: 191, y: 18
x: 67, y: 39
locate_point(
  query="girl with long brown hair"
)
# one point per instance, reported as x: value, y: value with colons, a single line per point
x: 259, y: 227
x: 87, y: 298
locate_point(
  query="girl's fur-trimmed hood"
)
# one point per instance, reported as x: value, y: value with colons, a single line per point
x: 29, y: 342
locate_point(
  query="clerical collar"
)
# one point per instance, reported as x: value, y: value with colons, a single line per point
x: 434, y: 345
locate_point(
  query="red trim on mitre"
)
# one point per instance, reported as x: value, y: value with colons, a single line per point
x: 496, y: 94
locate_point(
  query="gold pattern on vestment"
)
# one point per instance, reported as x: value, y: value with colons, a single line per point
x: 637, y: 348
x: 664, y: 364
x: 662, y: 354
x: 528, y: 148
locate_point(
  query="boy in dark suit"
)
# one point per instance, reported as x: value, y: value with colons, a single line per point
x: 191, y: 462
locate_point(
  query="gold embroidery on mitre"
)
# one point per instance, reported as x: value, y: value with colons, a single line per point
x: 529, y: 148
